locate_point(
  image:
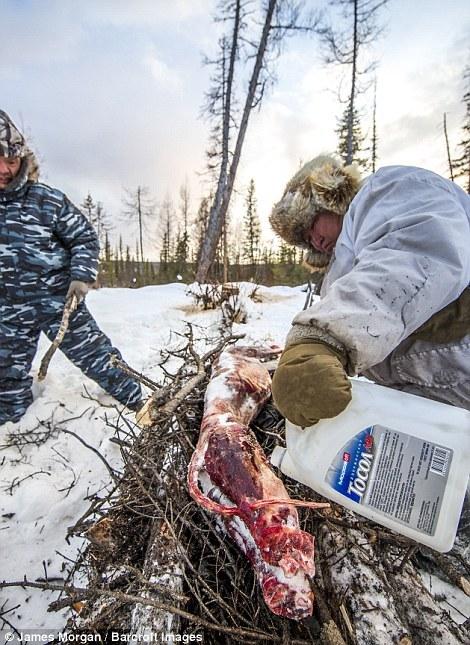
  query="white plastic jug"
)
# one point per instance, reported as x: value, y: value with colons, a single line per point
x: 396, y: 458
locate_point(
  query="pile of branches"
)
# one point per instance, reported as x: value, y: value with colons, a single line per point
x: 157, y: 563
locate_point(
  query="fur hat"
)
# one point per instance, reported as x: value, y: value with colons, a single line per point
x: 13, y: 144
x: 322, y: 184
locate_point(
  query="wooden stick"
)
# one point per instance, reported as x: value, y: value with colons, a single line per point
x: 70, y: 306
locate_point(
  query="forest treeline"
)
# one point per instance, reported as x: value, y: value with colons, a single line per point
x: 214, y: 243
x: 240, y: 255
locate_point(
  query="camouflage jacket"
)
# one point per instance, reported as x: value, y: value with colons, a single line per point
x: 45, y: 242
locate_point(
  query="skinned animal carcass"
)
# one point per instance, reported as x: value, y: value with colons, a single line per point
x: 239, y: 485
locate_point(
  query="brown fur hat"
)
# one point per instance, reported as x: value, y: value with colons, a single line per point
x: 13, y: 144
x: 323, y: 184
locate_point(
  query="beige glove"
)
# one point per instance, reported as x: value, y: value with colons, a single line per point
x: 78, y: 289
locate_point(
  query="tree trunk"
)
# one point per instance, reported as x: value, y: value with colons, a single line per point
x: 380, y: 601
x: 218, y: 212
x: 350, y: 138
x: 446, y: 136
x: 139, y: 211
x: 161, y: 566
x: 209, y: 245
x: 374, y: 130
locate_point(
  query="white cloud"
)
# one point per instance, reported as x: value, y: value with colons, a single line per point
x: 161, y: 72
x: 145, y: 12
x: 112, y: 95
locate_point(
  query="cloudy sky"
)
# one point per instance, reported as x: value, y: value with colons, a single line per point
x: 111, y: 93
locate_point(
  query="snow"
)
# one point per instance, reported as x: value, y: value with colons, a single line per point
x: 44, y: 488
x: 454, y: 601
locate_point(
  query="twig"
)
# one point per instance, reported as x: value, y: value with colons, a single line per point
x: 347, y: 620
x: 16, y: 482
x: 70, y: 306
x: 154, y: 585
x: 449, y: 570
x: 150, y: 412
x: 3, y: 613
x: 134, y: 599
x: 411, y: 550
x: 109, y: 468
x: 124, y: 367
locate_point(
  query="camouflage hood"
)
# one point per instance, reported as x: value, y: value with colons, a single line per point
x: 13, y: 144
x: 323, y: 184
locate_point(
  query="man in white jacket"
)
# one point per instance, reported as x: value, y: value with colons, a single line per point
x: 395, y: 300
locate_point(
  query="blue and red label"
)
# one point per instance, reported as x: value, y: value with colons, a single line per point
x: 349, y: 472
x: 396, y: 474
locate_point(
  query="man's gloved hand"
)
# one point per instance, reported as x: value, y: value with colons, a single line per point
x: 310, y: 383
x: 78, y: 289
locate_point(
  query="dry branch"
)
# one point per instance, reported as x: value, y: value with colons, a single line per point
x: 70, y: 306
x: 154, y: 555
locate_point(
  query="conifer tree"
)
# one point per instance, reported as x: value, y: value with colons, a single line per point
x: 374, y: 131
x: 462, y: 163
x: 283, y: 253
x: 182, y: 243
x: 108, y: 254
x: 344, y: 47
x: 252, y: 237
x: 350, y: 138
x: 88, y: 207
x: 167, y: 216
x: 97, y: 217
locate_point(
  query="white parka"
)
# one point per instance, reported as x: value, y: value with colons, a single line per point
x: 403, y: 254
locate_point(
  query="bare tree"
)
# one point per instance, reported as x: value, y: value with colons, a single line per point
x: 446, y: 137
x: 343, y: 47
x: 219, y: 108
x: 139, y: 208
x: 280, y: 17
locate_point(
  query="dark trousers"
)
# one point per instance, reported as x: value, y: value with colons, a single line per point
x: 84, y: 344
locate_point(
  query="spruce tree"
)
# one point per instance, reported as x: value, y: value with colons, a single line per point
x: 252, y: 237
x: 350, y: 138
x: 88, y: 207
x: 462, y: 163
x: 345, y: 43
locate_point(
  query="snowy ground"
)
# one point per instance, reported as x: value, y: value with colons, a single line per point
x: 44, y: 489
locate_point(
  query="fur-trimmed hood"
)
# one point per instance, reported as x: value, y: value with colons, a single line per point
x: 13, y: 144
x: 323, y: 184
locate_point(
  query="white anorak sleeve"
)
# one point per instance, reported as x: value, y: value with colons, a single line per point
x: 409, y: 233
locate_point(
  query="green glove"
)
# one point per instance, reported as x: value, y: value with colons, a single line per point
x: 310, y: 383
